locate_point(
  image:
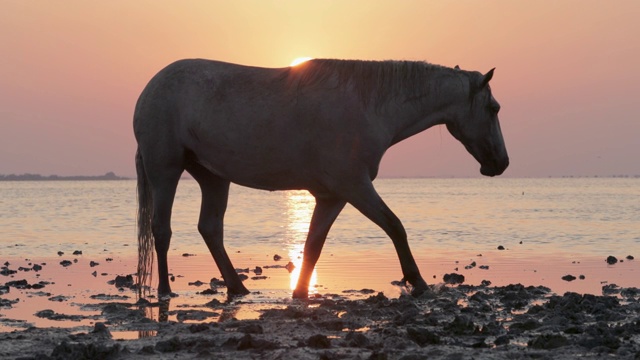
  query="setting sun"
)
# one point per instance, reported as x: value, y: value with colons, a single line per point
x: 300, y: 60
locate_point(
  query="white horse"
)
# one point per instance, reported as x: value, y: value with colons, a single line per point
x: 322, y: 126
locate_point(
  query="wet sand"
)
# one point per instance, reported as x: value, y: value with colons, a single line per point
x: 78, y: 311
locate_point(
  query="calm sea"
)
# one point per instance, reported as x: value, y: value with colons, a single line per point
x: 575, y: 216
x: 548, y: 228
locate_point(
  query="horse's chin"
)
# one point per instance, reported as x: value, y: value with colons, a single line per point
x: 492, y: 171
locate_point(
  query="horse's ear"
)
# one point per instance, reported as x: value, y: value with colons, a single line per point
x: 457, y: 67
x: 486, y: 78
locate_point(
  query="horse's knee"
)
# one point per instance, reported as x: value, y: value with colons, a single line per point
x: 209, y: 230
x: 162, y: 236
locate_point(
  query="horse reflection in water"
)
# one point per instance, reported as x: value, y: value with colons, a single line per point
x: 223, y: 312
x: 322, y: 126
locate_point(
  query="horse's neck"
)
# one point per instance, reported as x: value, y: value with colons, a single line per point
x: 406, y: 120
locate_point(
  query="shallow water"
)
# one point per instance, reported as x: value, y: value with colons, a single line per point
x: 548, y: 227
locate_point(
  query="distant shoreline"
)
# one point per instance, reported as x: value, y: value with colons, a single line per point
x: 37, y: 177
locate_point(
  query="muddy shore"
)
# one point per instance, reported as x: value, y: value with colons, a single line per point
x: 449, y: 322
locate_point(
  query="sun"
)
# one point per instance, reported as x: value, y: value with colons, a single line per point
x: 300, y: 60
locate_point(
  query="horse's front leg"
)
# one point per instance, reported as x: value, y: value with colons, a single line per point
x: 369, y: 203
x: 324, y: 214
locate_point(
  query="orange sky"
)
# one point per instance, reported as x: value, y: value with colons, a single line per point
x: 567, y: 73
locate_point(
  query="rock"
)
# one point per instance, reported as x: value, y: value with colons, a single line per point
x: 462, y: 325
x: 500, y: 247
x: 277, y: 257
x: 123, y: 281
x: 251, y: 328
x: 85, y: 351
x: 453, y: 278
x: 18, y: 284
x: 101, y: 329
x: 196, y: 328
x: 257, y: 270
x: 65, y: 263
x: 568, y: 278
x: 319, y: 341
x: 172, y: 345
x: 357, y: 339
x: 215, y: 282
x: 208, y: 292
x: 250, y: 342
x: 6, y: 271
x: 502, y: 340
x: 93, y: 263
x: 423, y: 336
x: 630, y: 257
x: 548, y: 341
x: 8, y: 304
x: 611, y: 260
x: 77, y: 252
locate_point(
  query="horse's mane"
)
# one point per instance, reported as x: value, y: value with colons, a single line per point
x: 375, y: 81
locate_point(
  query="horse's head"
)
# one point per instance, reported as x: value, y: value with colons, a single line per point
x: 477, y: 127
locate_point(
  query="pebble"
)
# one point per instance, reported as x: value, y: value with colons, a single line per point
x: 611, y: 260
x: 290, y: 266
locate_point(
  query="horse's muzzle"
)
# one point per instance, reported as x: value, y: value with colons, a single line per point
x: 495, y: 168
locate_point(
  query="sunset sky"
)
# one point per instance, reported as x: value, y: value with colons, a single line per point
x: 567, y: 73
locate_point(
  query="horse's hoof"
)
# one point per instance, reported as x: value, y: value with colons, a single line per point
x: 238, y: 292
x: 419, y: 289
x: 300, y: 294
x: 417, y: 292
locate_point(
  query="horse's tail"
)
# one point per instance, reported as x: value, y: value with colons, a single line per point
x: 145, y: 236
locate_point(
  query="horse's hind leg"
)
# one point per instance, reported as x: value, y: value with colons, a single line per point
x: 215, y: 193
x: 324, y: 214
x: 164, y: 190
x: 369, y: 203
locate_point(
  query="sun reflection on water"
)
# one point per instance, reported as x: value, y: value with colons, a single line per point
x: 300, y: 206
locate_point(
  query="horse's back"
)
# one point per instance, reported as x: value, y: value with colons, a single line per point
x: 251, y: 125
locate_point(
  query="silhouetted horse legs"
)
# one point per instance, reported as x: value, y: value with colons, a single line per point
x: 324, y: 214
x: 215, y: 193
x: 370, y: 204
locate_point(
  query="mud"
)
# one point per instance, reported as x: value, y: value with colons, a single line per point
x: 448, y: 322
